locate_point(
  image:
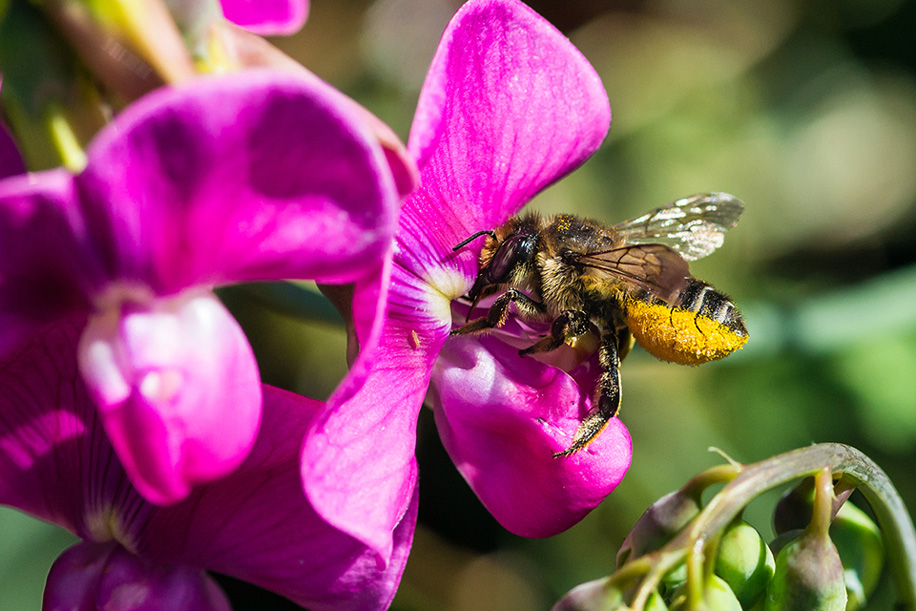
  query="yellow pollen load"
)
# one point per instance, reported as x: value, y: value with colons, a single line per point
x: 680, y: 336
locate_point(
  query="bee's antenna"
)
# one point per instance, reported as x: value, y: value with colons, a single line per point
x: 467, y: 241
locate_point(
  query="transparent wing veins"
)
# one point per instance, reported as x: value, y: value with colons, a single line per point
x: 652, y: 267
x: 693, y: 227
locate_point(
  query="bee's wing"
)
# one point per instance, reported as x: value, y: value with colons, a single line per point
x: 652, y: 267
x: 694, y: 226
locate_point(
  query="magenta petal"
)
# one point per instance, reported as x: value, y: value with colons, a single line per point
x: 502, y: 417
x: 255, y: 176
x: 509, y: 106
x: 177, y: 389
x: 44, y: 411
x: 46, y: 268
x: 267, y: 17
x: 256, y: 525
x: 106, y: 576
x: 358, y: 464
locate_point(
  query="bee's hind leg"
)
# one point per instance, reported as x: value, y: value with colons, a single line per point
x: 499, y: 312
x: 570, y: 324
x: 607, y: 396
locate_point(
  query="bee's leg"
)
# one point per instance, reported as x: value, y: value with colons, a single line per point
x: 499, y: 312
x: 607, y: 396
x: 625, y: 341
x: 569, y: 325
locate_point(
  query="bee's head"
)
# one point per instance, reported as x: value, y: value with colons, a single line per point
x: 508, y: 255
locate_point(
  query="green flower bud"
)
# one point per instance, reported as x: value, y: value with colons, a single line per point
x: 861, y: 549
x: 784, y: 539
x: 745, y: 562
x: 597, y: 595
x: 659, y: 523
x: 808, y: 577
x: 717, y: 596
x: 855, y: 535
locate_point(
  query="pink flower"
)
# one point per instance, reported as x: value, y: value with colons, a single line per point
x: 255, y: 524
x: 267, y: 17
x: 256, y: 176
x: 509, y: 106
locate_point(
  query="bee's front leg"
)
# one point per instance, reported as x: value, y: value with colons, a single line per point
x: 607, y: 395
x: 569, y: 325
x: 499, y: 312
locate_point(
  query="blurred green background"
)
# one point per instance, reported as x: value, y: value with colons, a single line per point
x: 804, y: 110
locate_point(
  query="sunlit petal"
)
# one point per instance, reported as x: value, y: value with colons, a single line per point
x: 256, y: 176
x: 267, y: 17
x: 502, y: 417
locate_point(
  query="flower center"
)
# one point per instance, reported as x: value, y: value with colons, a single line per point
x: 106, y: 524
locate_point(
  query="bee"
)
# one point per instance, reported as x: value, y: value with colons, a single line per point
x: 627, y: 282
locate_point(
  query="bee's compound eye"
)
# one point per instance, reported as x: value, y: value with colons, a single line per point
x: 517, y: 250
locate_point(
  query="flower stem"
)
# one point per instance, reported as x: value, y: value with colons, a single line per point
x: 822, y: 513
x: 65, y: 142
x: 754, y: 479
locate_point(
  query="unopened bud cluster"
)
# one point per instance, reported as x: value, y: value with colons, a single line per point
x: 684, y: 554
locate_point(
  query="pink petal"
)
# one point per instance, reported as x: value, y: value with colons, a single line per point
x: 267, y: 17
x: 44, y: 434
x: 257, y: 525
x: 502, y: 417
x: 509, y: 106
x: 46, y: 268
x: 253, y: 51
x: 358, y: 464
x: 107, y: 576
x: 177, y: 389
x: 259, y: 175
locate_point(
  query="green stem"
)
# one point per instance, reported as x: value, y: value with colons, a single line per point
x: 822, y: 513
x: 696, y: 554
x: 662, y: 562
x: 64, y: 140
x: 659, y: 563
x: 720, y: 474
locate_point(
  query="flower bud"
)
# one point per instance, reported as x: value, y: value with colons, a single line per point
x: 717, y: 596
x: 659, y: 523
x: 745, y: 562
x: 858, y: 540
x: 784, y: 539
x: 597, y: 595
x: 808, y: 577
x: 809, y: 573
